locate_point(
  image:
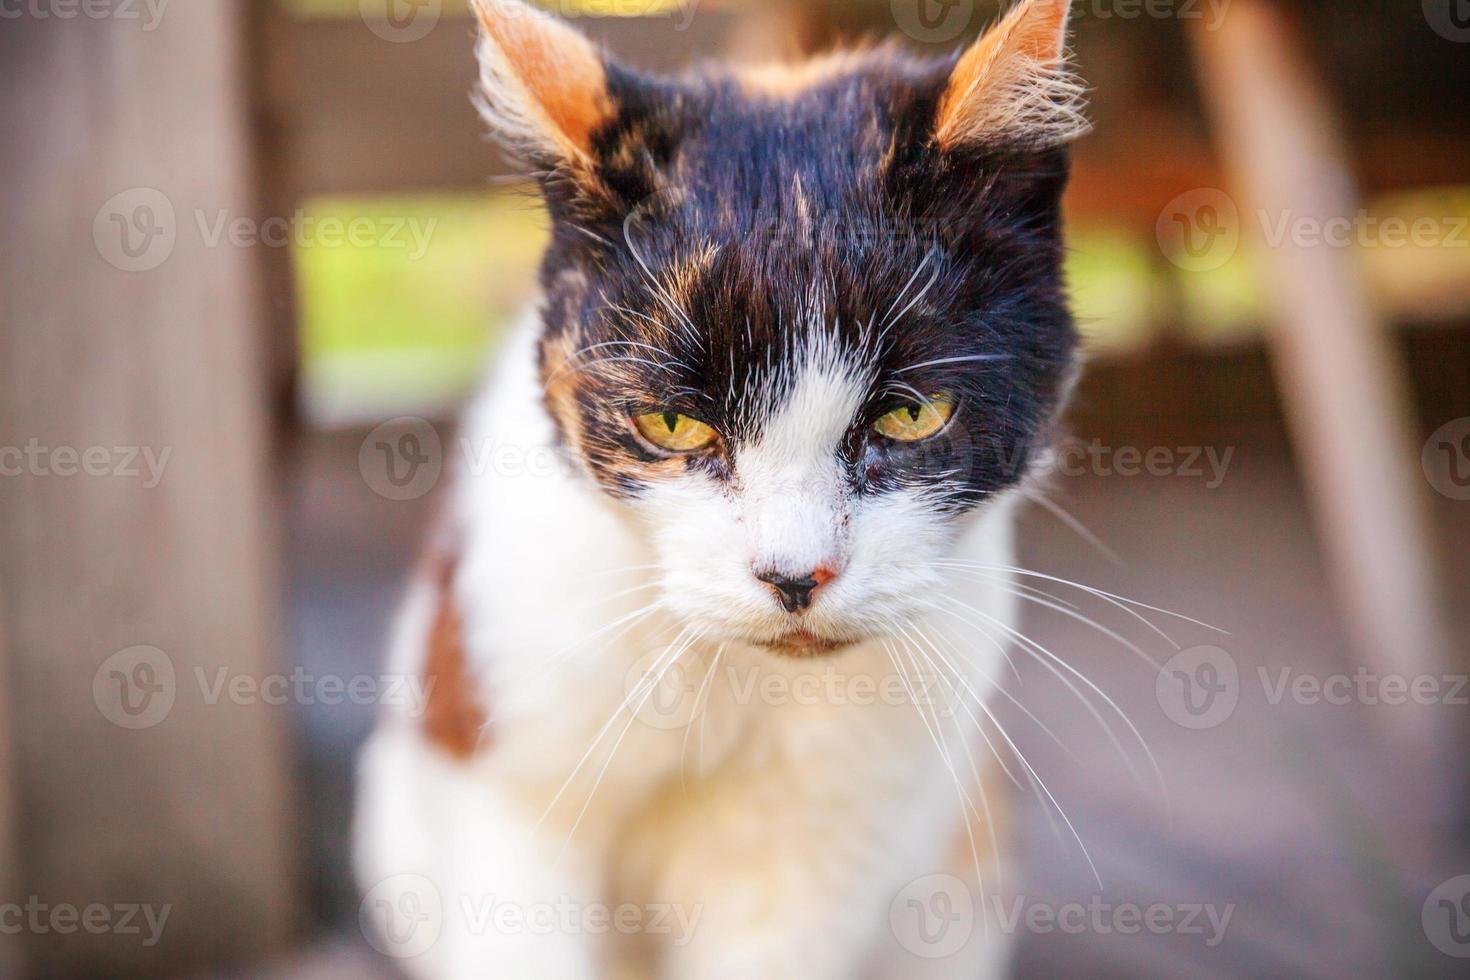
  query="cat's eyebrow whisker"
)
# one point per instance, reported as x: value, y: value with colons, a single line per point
x: 630, y: 343
x: 628, y: 311
x: 605, y: 362
x: 919, y: 396
x: 660, y: 293
x: 954, y: 360
x: 588, y: 232
x: 891, y: 318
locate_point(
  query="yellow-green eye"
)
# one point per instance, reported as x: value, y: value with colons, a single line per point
x: 918, y: 421
x: 674, y: 432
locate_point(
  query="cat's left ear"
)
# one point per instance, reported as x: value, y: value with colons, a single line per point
x: 1013, y: 88
x: 543, y: 86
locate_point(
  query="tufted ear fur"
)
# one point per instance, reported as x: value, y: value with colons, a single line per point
x: 1013, y: 87
x: 543, y: 86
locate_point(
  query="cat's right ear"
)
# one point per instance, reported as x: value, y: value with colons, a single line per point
x: 1013, y: 87
x: 543, y: 86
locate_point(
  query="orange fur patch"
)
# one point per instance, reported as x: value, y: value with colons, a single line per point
x: 454, y: 719
x: 559, y: 71
x: 995, y: 77
x: 782, y: 81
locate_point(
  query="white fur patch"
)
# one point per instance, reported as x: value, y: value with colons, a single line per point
x: 784, y: 844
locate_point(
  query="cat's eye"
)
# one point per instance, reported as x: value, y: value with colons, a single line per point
x: 920, y: 420
x: 673, y: 432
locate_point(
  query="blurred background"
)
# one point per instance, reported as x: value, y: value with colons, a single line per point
x: 256, y: 253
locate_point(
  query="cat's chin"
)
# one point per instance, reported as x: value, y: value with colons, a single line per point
x: 801, y: 644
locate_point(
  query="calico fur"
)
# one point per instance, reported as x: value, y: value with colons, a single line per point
x: 785, y: 255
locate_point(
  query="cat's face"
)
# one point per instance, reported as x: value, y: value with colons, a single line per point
x: 803, y: 324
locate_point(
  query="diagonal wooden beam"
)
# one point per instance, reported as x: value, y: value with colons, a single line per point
x: 1340, y: 379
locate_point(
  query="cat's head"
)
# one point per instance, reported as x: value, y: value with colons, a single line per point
x: 804, y: 321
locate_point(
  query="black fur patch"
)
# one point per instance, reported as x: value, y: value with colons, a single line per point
x: 685, y: 271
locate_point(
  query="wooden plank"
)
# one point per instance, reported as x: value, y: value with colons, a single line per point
x: 347, y: 112
x: 153, y: 379
x: 1341, y: 383
x: 10, y: 945
x: 356, y: 114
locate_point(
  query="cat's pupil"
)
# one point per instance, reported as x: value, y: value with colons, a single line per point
x: 914, y: 411
x: 671, y: 419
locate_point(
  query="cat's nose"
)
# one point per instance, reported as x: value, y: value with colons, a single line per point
x: 795, y: 591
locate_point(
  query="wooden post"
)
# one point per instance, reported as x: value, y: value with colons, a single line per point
x: 1340, y: 379
x: 10, y: 962
x: 137, y: 545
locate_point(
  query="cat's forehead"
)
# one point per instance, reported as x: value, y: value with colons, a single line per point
x: 760, y: 141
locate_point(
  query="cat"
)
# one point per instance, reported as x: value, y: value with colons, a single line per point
x: 706, y: 689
